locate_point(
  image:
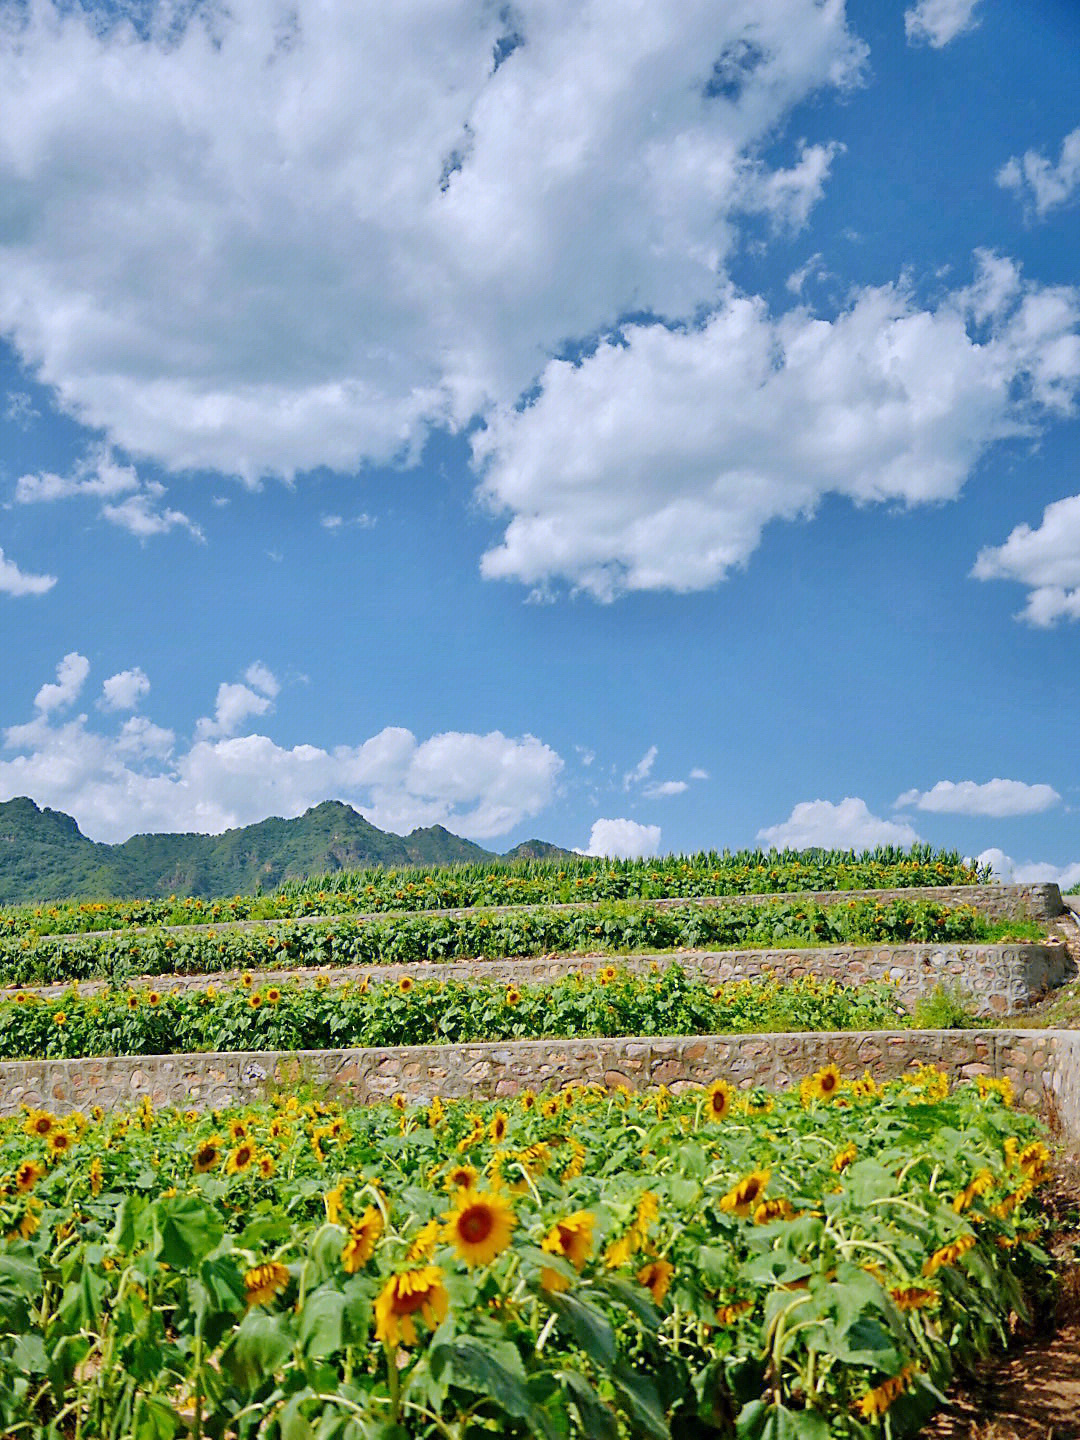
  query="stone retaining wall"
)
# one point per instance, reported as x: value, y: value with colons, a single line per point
x: 995, y: 980
x: 1044, y: 1066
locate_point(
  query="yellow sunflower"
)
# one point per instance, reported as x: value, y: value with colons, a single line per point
x: 27, y: 1175
x: 498, y: 1127
x: 656, y: 1277
x: 719, y: 1099
x: 241, y: 1158
x: 264, y: 1282
x: 363, y: 1234
x: 207, y: 1155
x: 878, y: 1400
x: 40, y: 1123
x: 405, y: 1296
x: 744, y: 1197
x: 59, y: 1143
x: 479, y: 1226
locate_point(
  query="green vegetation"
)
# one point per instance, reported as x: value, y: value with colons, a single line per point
x: 534, y: 880
x: 44, y: 856
x: 427, y: 1012
x: 613, y: 928
x: 810, y: 1265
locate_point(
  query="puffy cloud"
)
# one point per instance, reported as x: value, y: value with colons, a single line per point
x: 1030, y: 872
x: 71, y: 675
x: 1041, y: 184
x: 623, y: 839
x: 699, y: 774
x: 677, y: 462
x: 343, y: 237
x: 660, y: 789
x: 124, y: 690
x: 20, y: 410
x: 98, y: 475
x: 995, y: 798
x: 936, y: 22
x: 1046, y: 559
x: 237, y: 703
x: 819, y: 824
x: 143, y: 780
x: 14, y: 581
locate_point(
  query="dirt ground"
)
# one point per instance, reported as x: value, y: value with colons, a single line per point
x: 1033, y: 1391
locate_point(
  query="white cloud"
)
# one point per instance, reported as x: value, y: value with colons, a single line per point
x: 234, y: 705
x: 995, y: 798
x: 1041, y: 184
x: 363, y: 521
x: 663, y: 788
x: 100, y: 476
x: 642, y: 770
x: 938, y: 21
x: 699, y: 774
x: 20, y: 409
x: 677, y: 462
x: 623, y: 839
x: 144, y: 780
x: 1030, y: 872
x: 124, y: 690
x: 263, y: 679
x: 71, y: 675
x: 344, y: 237
x: 1046, y: 559
x: 819, y: 824
x: 14, y: 581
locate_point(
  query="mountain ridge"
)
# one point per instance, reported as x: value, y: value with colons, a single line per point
x: 44, y: 856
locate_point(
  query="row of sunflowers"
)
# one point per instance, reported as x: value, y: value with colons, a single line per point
x: 290, y: 1016
x: 807, y: 1264
x: 604, y: 928
x: 570, y: 877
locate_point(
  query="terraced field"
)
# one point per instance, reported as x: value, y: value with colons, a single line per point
x: 618, y: 1185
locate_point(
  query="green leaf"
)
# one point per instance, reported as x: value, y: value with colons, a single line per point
x: 638, y: 1397
x: 261, y: 1344
x: 291, y: 1423
x: 321, y: 1324
x: 597, y: 1421
x: 760, y: 1421
x: 495, y: 1369
x: 186, y: 1230
x: 589, y: 1329
x: 154, y: 1419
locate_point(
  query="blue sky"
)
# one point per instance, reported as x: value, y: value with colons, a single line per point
x: 648, y: 435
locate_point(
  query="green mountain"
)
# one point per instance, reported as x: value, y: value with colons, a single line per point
x: 45, y: 856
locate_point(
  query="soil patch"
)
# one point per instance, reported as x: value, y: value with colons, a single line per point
x: 1033, y: 1391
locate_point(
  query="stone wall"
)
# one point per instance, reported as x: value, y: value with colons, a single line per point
x: 995, y: 980
x: 1044, y: 1066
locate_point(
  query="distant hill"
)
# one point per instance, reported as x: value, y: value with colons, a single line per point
x: 45, y: 856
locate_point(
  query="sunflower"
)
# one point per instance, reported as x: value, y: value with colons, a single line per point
x: 571, y: 1237
x: 728, y: 1314
x: 27, y: 1175
x: 96, y: 1177
x: 779, y: 1209
x: 479, y: 1226
x: 238, y: 1130
x: 334, y: 1200
x: 843, y: 1158
x: 133, y: 1001
x: 436, y: 1113
x: 273, y: 995
x: 246, y: 979
x: 207, y: 1155
x: 40, y: 1123
x: 402, y: 1297
x: 528, y: 1100
x: 21, y: 998
x: 513, y: 996
x: 59, y: 1143
x: 266, y: 1163
x: 30, y: 1222
x: 60, y: 1018
x: 949, y: 1254
x: 825, y: 1083
x: 153, y: 998
x: 913, y: 1297
x: 405, y: 984
x: 499, y: 1126
x: 742, y: 1198
x: 607, y: 974
x: 877, y: 1401
x: 254, y: 1000
x: 718, y: 1100
x: 550, y: 1107
x: 264, y: 1282
x: 424, y: 1241
x: 360, y: 1246
x: 656, y: 1277
x: 241, y: 1158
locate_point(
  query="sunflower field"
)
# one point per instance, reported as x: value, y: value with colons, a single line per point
x: 534, y: 882
x: 290, y: 1016
x: 809, y: 1264
x: 602, y: 928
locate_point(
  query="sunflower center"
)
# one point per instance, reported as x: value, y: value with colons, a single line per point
x: 476, y: 1224
x: 409, y: 1304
